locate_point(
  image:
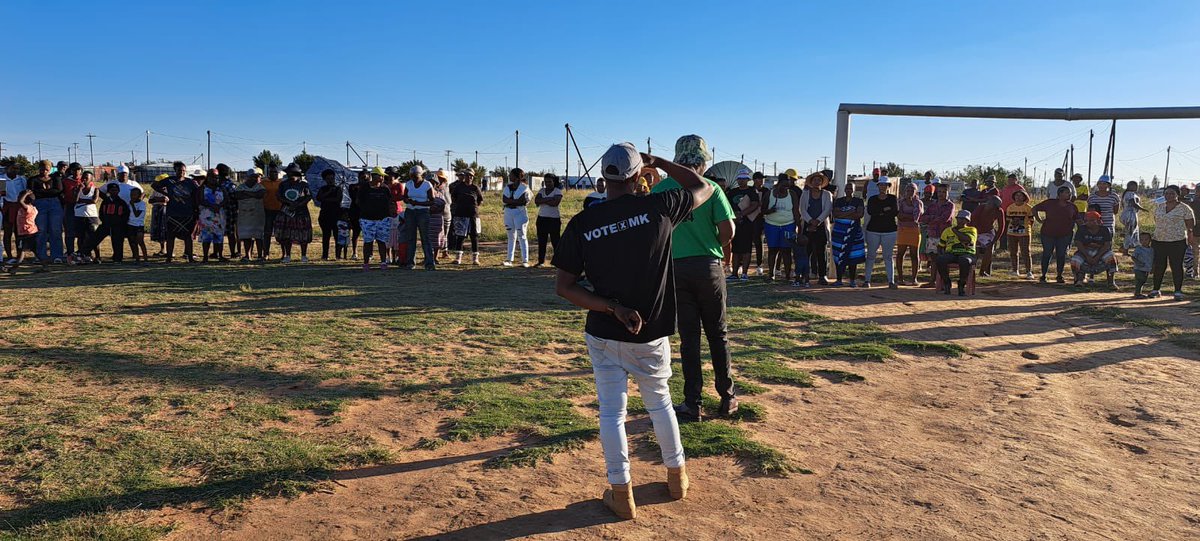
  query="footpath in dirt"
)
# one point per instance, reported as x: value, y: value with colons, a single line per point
x: 1058, y: 424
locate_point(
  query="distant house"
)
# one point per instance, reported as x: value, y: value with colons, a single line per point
x: 145, y: 173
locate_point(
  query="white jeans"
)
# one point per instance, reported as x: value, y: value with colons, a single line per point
x: 888, y: 242
x: 516, y: 221
x: 650, y: 366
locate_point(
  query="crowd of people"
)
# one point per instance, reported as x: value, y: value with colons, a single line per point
x: 810, y: 226
x: 815, y: 233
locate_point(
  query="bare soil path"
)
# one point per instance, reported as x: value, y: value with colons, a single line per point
x: 1055, y: 426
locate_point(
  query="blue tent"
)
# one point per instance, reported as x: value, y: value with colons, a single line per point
x: 343, y: 176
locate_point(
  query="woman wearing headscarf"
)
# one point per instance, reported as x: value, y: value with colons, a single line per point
x: 908, y: 231
x: 1174, y: 225
x: 848, y: 244
x: 1131, y: 204
x: 816, y: 205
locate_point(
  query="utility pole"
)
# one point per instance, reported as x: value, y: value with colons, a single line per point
x: 477, y: 158
x: 347, y: 153
x: 132, y: 157
x: 1166, y: 174
x: 39, y: 144
x: 1025, y: 169
x: 368, y: 160
x: 304, y: 147
x: 147, y: 146
x: 91, y: 153
x: 825, y: 159
x: 776, y: 168
x: 414, y: 156
x: 448, y: 161
x: 1091, y: 135
x: 208, y: 155
x: 1, y: 148
x: 517, y: 162
x: 648, y: 146
x: 76, y: 159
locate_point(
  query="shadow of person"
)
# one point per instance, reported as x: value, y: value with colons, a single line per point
x: 578, y: 515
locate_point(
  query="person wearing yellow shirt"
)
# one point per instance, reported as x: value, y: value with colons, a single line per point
x: 957, y: 246
x: 1081, y: 194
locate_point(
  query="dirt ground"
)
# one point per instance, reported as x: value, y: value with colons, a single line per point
x: 1055, y: 426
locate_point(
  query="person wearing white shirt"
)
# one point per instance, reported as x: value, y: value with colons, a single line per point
x: 14, y: 183
x: 516, y: 220
x: 125, y: 184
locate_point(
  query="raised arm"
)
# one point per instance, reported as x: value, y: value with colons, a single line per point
x: 687, y: 178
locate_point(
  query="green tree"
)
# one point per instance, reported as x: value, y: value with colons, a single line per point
x: 500, y: 171
x: 479, y: 170
x: 265, y: 159
x: 304, y: 160
x: 892, y: 169
x: 26, y: 167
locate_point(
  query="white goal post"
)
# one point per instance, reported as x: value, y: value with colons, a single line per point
x: 1127, y: 113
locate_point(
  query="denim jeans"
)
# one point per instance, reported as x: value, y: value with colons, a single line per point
x: 700, y: 305
x: 416, y: 220
x: 650, y: 366
x: 50, y: 228
x: 1056, y: 246
x: 875, y: 241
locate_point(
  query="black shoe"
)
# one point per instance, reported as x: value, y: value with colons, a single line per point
x: 962, y: 291
x: 729, y: 406
x: 946, y: 290
x: 686, y: 414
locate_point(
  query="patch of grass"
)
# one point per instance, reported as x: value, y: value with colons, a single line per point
x: 839, y: 376
x: 1118, y: 315
x: 720, y: 439
x: 776, y: 372
x: 948, y: 349
x: 102, y: 527
x: 493, y: 409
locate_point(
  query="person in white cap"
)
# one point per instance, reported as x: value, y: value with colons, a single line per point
x: 957, y: 245
x: 515, y: 198
x: 624, y: 246
x: 125, y: 183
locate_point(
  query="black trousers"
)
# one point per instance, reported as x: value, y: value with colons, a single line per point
x: 760, y: 225
x: 817, y: 260
x: 115, y: 231
x: 700, y: 305
x: 548, y: 229
x: 965, y: 262
x: 1169, y: 253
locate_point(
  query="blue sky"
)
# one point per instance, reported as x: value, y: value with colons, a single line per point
x: 761, y: 79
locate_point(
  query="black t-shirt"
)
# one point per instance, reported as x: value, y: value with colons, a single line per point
x: 465, y: 199
x: 624, y: 247
x: 737, y: 195
x: 375, y: 203
x: 1102, y: 237
x: 847, y: 204
x: 883, y: 211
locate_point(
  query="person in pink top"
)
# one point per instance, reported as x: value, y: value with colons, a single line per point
x: 938, y: 214
x: 1011, y: 187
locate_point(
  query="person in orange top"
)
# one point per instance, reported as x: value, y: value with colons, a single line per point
x: 271, y: 206
x: 27, y: 230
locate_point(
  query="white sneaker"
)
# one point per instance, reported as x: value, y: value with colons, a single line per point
x: 475, y: 258
x: 507, y: 263
x: 458, y: 257
x: 525, y: 264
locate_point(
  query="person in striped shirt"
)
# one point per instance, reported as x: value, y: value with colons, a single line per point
x: 1107, y: 203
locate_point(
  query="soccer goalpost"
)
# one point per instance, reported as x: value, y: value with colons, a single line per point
x: 846, y: 109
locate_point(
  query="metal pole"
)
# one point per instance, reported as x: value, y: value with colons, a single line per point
x: 841, y: 146
x: 448, y: 160
x: 1167, y: 173
x: 1025, y: 169
x: 208, y: 156
x: 147, y: 146
x: 567, y: 153
x: 517, y: 161
x: 39, y: 144
x: 347, y: 153
x: 776, y: 167
x: 648, y: 146
x: 1091, y: 135
x: 91, y: 153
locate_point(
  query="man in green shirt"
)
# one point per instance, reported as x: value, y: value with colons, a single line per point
x: 696, y: 251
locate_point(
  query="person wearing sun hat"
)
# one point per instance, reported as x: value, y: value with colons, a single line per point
x: 697, y: 251
x: 957, y: 245
x: 624, y: 246
x: 746, y: 202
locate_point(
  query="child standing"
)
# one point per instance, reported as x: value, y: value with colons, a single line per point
x: 87, y: 218
x: 1020, y: 222
x: 27, y: 231
x: 135, y: 229
x: 1143, y: 264
x: 114, y: 215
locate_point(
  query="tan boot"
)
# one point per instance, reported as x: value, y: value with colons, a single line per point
x: 620, y: 500
x: 677, y: 482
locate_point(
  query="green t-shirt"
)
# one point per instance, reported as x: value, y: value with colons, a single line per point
x: 697, y: 235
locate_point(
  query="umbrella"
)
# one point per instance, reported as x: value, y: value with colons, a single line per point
x: 727, y: 170
x: 343, y: 176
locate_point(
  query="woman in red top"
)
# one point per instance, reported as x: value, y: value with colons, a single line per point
x: 1058, y: 227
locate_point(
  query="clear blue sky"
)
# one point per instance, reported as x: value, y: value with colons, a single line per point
x: 761, y: 79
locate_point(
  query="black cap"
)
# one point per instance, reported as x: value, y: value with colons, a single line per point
x: 758, y: 175
x: 292, y: 168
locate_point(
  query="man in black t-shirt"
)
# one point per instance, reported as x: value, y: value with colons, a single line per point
x: 624, y: 246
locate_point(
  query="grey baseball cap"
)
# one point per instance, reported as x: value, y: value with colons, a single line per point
x: 621, y: 162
